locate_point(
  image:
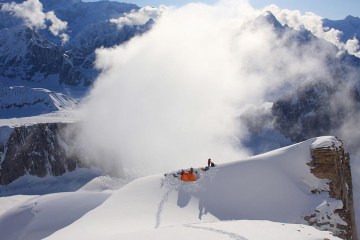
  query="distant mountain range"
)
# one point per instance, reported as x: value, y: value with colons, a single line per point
x: 316, y: 107
x: 34, y: 58
x: 48, y: 69
x: 34, y: 55
x: 350, y: 26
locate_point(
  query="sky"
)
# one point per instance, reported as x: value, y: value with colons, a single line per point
x: 332, y: 9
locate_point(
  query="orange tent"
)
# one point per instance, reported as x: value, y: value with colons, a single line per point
x: 188, y: 176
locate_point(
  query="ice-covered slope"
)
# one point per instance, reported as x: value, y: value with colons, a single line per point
x: 275, y: 187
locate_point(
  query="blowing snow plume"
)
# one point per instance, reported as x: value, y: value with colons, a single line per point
x: 170, y: 98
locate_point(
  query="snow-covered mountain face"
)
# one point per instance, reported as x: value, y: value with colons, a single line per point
x: 51, y: 45
x: 26, y: 55
x: 24, y: 102
x: 41, y: 53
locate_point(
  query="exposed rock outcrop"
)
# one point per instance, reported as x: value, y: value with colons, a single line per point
x: 331, y: 162
x: 38, y: 150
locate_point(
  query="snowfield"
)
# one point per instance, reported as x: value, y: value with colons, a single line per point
x: 263, y: 197
x: 237, y: 229
x: 61, y: 116
x: 21, y: 101
x: 21, y: 105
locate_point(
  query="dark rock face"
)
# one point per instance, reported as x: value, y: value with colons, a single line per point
x: 316, y: 109
x: 333, y: 163
x: 38, y: 150
x: 303, y: 115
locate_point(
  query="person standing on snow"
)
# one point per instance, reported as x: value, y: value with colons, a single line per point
x: 210, y: 163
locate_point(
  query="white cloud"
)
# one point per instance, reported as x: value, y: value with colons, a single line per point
x: 352, y: 46
x: 140, y: 17
x: 313, y: 23
x: 32, y: 13
x: 170, y: 98
x: 57, y: 26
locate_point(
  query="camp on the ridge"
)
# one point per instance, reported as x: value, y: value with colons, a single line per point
x: 191, y: 175
x: 188, y: 177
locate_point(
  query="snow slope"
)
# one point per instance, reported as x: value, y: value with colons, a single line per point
x: 237, y: 229
x: 40, y: 216
x: 263, y: 197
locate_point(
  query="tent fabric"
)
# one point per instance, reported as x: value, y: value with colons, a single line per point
x: 188, y: 176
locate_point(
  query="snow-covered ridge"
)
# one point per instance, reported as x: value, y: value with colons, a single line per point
x: 22, y: 101
x: 233, y: 199
x: 326, y: 142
